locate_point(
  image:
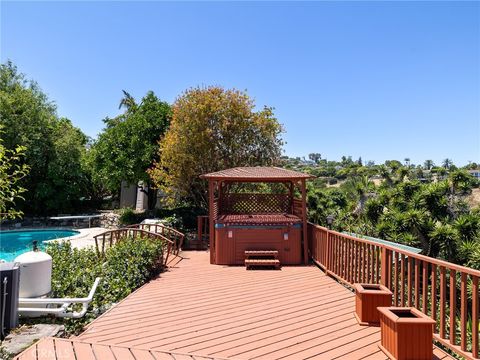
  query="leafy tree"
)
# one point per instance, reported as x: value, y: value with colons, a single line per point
x: 11, y: 172
x: 54, y: 146
x: 213, y: 128
x: 128, y: 146
x: 66, y: 178
x: 315, y: 157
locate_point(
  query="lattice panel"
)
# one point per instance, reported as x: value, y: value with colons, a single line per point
x: 215, y: 208
x: 242, y: 203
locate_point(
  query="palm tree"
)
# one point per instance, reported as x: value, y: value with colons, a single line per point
x: 386, y: 174
x: 467, y: 226
x: 361, y: 187
x: 428, y: 164
x: 446, y: 237
x: 447, y: 163
x: 128, y: 102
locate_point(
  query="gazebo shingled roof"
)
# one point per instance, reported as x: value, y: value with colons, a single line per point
x: 257, y: 173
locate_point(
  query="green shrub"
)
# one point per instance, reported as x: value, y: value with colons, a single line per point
x: 332, y: 181
x: 128, y: 216
x: 181, y: 218
x: 125, y: 267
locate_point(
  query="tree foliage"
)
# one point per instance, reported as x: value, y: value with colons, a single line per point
x: 53, y: 146
x: 128, y: 145
x: 213, y: 128
x: 12, y: 171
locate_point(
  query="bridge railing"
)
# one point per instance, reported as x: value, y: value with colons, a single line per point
x: 171, y: 234
x: 109, y: 238
x: 446, y: 292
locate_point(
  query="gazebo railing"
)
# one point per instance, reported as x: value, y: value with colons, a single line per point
x: 446, y: 292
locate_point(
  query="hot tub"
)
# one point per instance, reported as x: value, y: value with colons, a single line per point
x: 235, y: 234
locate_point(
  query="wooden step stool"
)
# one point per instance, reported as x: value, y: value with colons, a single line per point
x: 261, y: 259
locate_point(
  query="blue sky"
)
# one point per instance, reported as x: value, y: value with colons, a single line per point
x: 380, y: 80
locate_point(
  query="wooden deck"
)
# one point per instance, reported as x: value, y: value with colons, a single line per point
x: 198, y: 310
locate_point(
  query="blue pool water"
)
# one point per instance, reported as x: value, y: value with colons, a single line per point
x: 14, y: 243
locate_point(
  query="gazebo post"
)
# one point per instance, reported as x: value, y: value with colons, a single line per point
x: 211, y: 222
x: 304, y: 221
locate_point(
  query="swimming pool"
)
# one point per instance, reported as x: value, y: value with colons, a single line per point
x: 16, y: 242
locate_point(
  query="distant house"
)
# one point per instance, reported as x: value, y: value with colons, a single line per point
x: 475, y: 173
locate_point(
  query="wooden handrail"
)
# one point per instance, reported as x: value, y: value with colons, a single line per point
x: 435, y: 287
x: 438, y: 262
x: 172, y: 234
x: 116, y: 235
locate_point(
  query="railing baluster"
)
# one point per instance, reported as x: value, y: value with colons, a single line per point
x: 369, y: 274
x: 443, y: 300
x: 409, y: 281
x: 96, y: 243
x: 463, y: 312
x: 349, y: 262
x: 402, y: 280
x: 395, y: 279
x: 377, y: 265
x: 364, y: 265
x: 372, y: 264
x: 357, y: 263
x: 417, y: 283
x: 334, y: 253
x: 433, y: 307
x: 339, y: 257
x: 389, y: 268
x: 424, y: 287
x: 475, y: 316
x: 453, y: 305
x: 352, y: 262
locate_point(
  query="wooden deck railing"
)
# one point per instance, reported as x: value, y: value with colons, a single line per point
x: 203, y: 230
x: 171, y: 234
x: 446, y: 292
x: 109, y: 238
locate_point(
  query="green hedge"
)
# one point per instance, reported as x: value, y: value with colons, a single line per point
x: 128, y: 216
x: 125, y: 267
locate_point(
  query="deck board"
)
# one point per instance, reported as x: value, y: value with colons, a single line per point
x: 202, y: 311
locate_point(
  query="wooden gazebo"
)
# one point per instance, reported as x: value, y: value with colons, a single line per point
x: 267, y: 228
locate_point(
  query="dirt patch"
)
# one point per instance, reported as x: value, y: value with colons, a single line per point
x: 473, y: 199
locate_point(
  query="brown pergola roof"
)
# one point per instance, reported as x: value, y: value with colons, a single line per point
x: 257, y: 173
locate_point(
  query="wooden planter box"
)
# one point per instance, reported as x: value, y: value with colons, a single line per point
x: 406, y: 333
x: 368, y: 297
